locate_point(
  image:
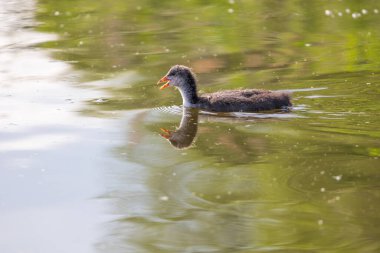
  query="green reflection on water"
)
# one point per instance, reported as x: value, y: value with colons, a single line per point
x: 305, y: 183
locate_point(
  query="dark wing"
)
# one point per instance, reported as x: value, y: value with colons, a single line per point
x: 244, y: 100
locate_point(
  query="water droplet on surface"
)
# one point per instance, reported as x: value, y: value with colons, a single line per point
x: 338, y: 177
x: 364, y: 11
x: 323, y: 189
x: 328, y: 13
x: 57, y: 13
x: 356, y: 15
x: 230, y: 10
x: 164, y: 198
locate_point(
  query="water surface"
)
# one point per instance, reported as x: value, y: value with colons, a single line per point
x: 95, y: 158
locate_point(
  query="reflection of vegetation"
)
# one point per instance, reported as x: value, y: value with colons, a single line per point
x: 226, y: 194
x: 252, y: 186
x: 268, y: 36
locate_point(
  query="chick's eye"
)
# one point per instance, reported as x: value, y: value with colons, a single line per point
x: 172, y: 73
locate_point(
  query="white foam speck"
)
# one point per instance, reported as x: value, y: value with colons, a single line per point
x: 99, y: 100
x: 356, y: 15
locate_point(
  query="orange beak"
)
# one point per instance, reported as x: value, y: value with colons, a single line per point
x: 162, y: 80
x: 166, y: 134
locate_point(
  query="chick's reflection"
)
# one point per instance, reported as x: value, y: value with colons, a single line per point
x: 183, y: 136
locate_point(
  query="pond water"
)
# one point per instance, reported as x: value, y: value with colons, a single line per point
x: 95, y: 158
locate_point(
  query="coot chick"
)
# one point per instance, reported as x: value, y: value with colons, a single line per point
x: 248, y: 100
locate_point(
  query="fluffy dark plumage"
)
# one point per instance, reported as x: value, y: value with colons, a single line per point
x: 250, y: 100
x: 244, y: 100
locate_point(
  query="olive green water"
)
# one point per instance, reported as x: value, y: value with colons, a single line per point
x: 85, y: 167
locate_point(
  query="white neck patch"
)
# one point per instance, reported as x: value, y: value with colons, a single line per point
x: 185, y: 100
